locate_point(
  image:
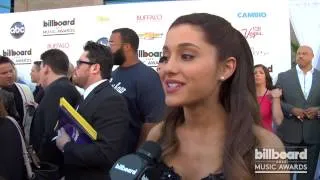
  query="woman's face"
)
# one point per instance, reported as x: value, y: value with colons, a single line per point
x: 259, y: 76
x: 189, y: 73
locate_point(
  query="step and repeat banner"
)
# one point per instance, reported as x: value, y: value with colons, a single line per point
x: 24, y: 36
x: 305, y: 21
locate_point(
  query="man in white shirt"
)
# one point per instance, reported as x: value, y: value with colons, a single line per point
x: 300, y: 104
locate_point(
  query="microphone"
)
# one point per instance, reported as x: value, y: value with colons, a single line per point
x: 136, y: 166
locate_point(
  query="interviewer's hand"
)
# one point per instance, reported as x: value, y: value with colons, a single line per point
x: 62, y: 139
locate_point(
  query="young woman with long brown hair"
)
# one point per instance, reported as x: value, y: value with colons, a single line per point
x: 212, y: 130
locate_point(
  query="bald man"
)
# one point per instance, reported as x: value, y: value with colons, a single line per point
x: 300, y: 105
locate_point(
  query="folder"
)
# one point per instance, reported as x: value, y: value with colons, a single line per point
x: 79, y: 130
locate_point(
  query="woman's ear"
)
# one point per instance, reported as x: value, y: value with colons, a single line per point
x: 227, y: 68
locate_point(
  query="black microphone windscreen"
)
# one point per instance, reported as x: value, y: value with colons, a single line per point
x: 150, y: 149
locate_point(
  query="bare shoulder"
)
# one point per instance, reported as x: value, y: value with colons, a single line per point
x: 155, y: 132
x: 268, y: 139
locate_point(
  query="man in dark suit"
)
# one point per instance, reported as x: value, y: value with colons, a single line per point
x: 53, y: 77
x: 300, y: 105
x: 105, y: 109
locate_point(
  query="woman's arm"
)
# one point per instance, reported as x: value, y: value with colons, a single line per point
x: 277, y: 114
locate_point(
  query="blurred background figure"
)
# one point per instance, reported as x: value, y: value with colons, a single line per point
x: 11, y: 159
x: 70, y: 75
x: 70, y: 71
x: 23, y: 96
x: 268, y: 98
x: 35, y: 77
x: 9, y: 104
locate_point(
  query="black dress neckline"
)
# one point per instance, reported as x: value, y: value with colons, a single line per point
x: 168, y: 173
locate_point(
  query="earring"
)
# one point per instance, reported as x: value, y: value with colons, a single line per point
x: 222, y: 78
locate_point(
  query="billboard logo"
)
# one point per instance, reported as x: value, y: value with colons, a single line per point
x: 103, y: 41
x: 19, y: 56
x: 276, y: 160
x: 52, y: 23
x: 150, y: 35
x: 145, y: 54
x: 17, y: 30
x: 252, y: 32
x: 11, y: 52
x: 150, y: 58
x: 54, y: 27
x: 252, y: 14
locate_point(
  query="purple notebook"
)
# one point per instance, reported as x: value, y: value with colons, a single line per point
x: 72, y: 127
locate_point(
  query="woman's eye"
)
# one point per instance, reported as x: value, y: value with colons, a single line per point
x: 163, y: 59
x: 187, y: 56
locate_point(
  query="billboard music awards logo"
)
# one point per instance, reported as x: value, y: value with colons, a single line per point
x: 58, y: 27
x: 150, y: 58
x: 251, y: 32
x: 17, y: 30
x: 18, y: 56
x: 273, y: 160
x: 149, y: 18
x: 150, y: 35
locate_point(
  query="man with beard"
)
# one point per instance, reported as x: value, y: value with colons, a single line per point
x: 103, y: 108
x: 137, y: 82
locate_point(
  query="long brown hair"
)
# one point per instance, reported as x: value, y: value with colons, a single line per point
x: 237, y: 95
x: 3, y: 111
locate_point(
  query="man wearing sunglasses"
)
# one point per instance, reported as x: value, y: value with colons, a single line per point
x: 105, y: 110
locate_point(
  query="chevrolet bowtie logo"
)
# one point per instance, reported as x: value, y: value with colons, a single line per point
x: 150, y: 35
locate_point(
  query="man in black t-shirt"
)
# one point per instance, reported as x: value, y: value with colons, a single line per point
x: 138, y: 83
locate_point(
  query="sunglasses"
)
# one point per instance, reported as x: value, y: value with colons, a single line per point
x: 79, y: 62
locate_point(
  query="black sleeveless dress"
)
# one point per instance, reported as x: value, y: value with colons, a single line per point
x: 167, y: 173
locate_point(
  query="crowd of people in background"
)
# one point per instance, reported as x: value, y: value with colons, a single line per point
x: 206, y: 104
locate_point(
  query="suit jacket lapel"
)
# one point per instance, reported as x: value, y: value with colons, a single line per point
x: 296, y: 79
x: 315, y: 77
x: 92, y: 94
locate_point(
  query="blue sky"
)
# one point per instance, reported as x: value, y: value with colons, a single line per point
x: 5, y: 3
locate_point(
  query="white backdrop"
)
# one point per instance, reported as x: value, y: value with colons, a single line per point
x: 305, y: 19
x: 29, y: 34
